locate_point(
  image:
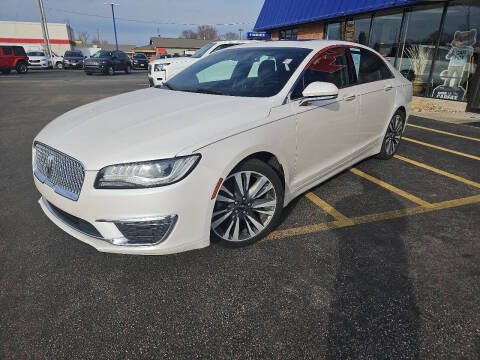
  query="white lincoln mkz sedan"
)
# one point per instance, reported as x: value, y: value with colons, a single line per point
x: 221, y: 148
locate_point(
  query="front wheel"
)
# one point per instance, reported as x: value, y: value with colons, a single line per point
x: 59, y: 65
x: 392, y: 138
x: 21, y: 68
x: 110, y: 71
x: 128, y: 69
x: 248, y: 205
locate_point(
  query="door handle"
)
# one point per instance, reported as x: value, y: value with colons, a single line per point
x: 388, y: 87
x: 350, y: 97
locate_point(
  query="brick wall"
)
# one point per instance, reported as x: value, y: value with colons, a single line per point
x: 311, y: 31
x: 305, y: 31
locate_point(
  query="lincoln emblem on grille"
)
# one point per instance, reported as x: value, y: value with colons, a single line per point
x: 49, y: 166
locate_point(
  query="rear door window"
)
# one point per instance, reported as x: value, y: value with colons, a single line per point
x: 7, y: 51
x: 368, y: 66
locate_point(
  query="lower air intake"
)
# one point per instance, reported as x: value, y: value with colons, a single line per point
x: 151, y: 232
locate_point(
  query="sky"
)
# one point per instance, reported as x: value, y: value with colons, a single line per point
x: 137, y: 20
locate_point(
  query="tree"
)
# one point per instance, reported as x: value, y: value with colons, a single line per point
x: 230, y: 36
x: 83, y: 36
x: 189, y: 34
x: 207, y: 32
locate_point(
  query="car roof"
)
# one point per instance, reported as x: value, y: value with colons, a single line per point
x: 306, y: 44
x: 234, y: 41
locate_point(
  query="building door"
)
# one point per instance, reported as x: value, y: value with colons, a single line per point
x: 474, y: 94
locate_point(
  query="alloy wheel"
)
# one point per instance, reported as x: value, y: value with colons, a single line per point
x: 110, y: 70
x: 245, y: 205
x: 394, y: 133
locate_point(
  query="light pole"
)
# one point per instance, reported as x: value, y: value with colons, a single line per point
x: 114, y: 25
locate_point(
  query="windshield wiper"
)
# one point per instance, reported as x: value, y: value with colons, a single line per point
x: 207, y: 91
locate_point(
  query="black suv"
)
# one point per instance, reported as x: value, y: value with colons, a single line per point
x: 140, y: 61
x: 107, y: 62
x: 73, y: 59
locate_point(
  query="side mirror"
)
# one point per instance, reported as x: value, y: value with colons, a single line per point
x: 317, y: 91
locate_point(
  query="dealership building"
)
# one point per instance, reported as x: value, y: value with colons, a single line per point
x: 435, y: 44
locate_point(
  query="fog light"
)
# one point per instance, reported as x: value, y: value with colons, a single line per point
x: 145, y: 231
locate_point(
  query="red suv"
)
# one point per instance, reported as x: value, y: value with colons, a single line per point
x: 13, y: 57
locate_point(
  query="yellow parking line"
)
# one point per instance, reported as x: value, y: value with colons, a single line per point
x: 392, y: 188
x: 325, y: 206
x: 438, y: 171
x: 442, y: 148
x: 308, y: 229
x: 444, y: 132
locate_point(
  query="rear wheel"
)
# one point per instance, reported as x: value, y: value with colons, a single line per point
x: 5, y: 71
x: 21, y: 67
x: 392, y: 138
x: 248, y: 205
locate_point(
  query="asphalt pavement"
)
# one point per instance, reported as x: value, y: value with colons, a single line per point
x: 392, y: 272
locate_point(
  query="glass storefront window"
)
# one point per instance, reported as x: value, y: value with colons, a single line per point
x: 417, y: 45
x: 385, y: 33
x: 458, y: 54
x: 289, y: 34
x: 358, y: 29
x: 335, y: 31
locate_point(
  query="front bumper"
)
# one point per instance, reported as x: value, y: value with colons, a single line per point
x: 69, y: 65
x: 103, y: 208
x: 95, y: 68
x: 39, y: 65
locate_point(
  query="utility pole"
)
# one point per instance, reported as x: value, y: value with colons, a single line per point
x: 43, y: 23
x: 240, y: 33
x: 114, y: 25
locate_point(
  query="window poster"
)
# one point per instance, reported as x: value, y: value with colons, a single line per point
x: 459, y: 59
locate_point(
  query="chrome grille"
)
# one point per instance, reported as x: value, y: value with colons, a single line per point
x: 58, y: 170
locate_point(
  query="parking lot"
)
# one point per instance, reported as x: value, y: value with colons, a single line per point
x: 382, y: 261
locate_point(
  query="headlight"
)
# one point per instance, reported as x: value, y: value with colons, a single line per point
x: 160, y: 67
x: 146, y: 174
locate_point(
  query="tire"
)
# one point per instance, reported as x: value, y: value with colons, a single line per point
x: 110, y: 70
x: 59, y: 65
x: 5, y: 71
x: 21, y: 67
x: 393, y: 135
x: 128, y: 69
x: 242, y: 219
x: 88, y: 73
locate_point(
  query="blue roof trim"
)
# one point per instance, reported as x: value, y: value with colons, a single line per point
x: 281, y: 13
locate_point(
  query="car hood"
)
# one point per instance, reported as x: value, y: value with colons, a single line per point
x: 98, y: 59
x: 37, y: 57
x: 150, y: 124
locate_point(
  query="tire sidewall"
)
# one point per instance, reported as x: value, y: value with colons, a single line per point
x: 21, y: 68
x: 383, y: 153
x: 266, y: 170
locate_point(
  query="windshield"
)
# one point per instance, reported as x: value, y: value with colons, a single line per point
x: 102, y: 54
x: 139, y: 56
x: 203, y: 50
x: 35, y: 53
x: 73, y: 54
x: 252, y: 72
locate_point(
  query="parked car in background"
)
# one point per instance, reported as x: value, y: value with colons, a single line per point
x: 107, y: 62
x: 13, y: 57
x: 221, y: 149
x: 140, y: 61
x: 73, y: 60
x: 161, y: 70
x: 163, y: 56
x: 39, y: 60
x: 56, y: 60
